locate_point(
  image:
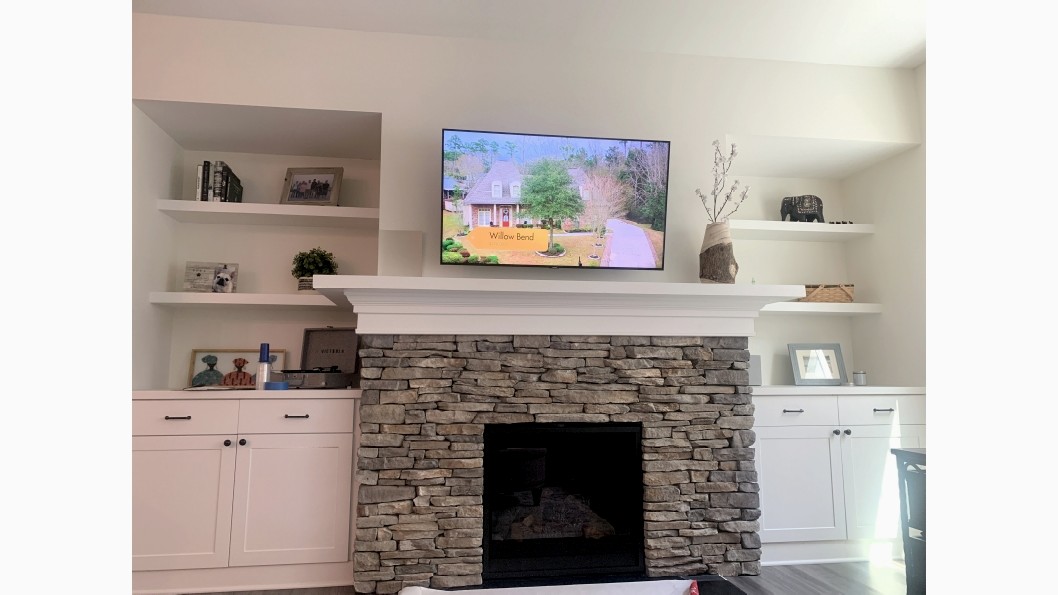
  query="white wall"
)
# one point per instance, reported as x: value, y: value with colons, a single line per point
x: 891, y: 266
x: 155, y: 176
x: 423, y: 84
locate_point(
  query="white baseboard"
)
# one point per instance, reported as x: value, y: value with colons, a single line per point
x: 829, y: 552
x: 242, y: 578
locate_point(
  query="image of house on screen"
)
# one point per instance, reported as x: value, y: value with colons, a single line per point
x: 495, y: 200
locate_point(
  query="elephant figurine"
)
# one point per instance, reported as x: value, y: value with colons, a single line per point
x: 806, y: 208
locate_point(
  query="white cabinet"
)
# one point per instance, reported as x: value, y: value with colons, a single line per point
x: 823, y: 460
x: 241, y: 482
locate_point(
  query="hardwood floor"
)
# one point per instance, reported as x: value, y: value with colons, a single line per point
x: 845, y: 578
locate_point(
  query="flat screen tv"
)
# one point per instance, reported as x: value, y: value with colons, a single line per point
x: 538, y: 200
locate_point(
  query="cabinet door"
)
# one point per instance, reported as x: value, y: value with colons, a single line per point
x: 872, y: 490
x: 181, y: 501
x: 292, y: 499
x: 801, y: 496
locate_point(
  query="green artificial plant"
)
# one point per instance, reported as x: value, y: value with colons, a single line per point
x: 314, y: 262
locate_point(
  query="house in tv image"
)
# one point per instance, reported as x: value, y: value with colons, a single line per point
x: 496, y: 200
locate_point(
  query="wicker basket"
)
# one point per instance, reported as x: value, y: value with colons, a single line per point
x: 834, y: 294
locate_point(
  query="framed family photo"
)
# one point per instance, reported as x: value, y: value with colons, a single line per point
x: 817, y: 364
x: 312, y: 186
x: 228, y: 367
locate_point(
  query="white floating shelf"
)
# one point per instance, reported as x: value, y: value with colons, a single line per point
x: 747, y: 229
x: 822, y: 309
x: 244, y: 213
x: 257, y: 300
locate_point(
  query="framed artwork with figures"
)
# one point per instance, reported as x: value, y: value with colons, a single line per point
x: 233, y: 368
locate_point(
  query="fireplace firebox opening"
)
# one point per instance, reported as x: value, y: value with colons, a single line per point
x: 563, y: 500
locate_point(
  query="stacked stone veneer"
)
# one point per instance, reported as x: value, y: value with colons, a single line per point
x: 427, y: 398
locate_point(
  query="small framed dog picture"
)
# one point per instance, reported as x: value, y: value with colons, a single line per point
x: 211, y: 277
x: 312, y: 186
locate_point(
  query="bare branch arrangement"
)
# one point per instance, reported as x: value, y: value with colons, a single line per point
x: 721, y: 165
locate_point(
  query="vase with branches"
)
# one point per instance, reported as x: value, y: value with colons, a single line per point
x: 716, y: 260
x: 730, y: 201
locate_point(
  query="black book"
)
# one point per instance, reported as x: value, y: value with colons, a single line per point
x: 205, y: 182
x: 218, y: 180
x: 233, y: 188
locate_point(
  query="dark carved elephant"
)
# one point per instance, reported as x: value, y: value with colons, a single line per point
x: 807, y: 207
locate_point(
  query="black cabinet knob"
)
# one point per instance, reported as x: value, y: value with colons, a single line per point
x: 227, y: 443
x: 848, y: 432
x: 837, y: 432
x: 242, y: 442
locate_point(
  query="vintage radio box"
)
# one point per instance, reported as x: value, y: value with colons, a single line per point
x: 328, y: 359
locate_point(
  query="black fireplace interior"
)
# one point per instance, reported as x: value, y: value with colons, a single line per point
x: 563, y: 500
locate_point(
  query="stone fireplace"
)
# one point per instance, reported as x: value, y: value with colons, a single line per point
x: 442, y: 360
x: 427, y: 400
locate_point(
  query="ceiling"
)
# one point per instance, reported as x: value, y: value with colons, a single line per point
x: 872, y: 33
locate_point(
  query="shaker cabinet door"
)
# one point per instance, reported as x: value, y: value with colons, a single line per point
x: 800, y: 484
x: 872, y: 490
x: 292, y: 499
x: 181, y: 501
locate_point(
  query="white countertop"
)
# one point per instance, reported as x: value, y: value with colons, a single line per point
x: 777, y: 390
x: 216, y: 395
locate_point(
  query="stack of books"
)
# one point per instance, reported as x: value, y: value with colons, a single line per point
x: 218, y: 183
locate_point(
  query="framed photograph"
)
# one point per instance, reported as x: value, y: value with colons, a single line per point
x: 215, y: 277
x: 229, y: 367
x: 818, y: 364
x: 312, y: 186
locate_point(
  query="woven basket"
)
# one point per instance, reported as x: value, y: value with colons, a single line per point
x: 834, y: 294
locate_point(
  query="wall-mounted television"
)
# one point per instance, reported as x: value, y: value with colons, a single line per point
x: 540, y: 200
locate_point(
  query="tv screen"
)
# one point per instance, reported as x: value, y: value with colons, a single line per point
x: 537, y: 200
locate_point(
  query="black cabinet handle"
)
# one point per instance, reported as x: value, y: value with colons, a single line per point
x: 187, y: 417
x: 227, y: 443
x: 793, y: 410
x: 848, y: 432
x: 288, y: 416
x: 242, y: 442
x: 890, y: 410
x: 837, y: 432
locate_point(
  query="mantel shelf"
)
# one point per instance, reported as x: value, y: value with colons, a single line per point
x: 438, y: 305
x: 244, y: 213
x: 822, y: 309
x: 256, y: 300
x: 748, y: 229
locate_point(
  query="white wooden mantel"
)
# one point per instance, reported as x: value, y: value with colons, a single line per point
x: 438, y: 305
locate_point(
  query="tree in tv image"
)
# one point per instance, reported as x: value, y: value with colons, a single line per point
x: 555, y: 201
x: 548, y: 195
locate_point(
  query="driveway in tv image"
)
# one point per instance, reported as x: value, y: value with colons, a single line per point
x: 628, y: 247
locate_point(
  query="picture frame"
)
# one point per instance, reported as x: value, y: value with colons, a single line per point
x: 312, y: 186
x: 224, y: 365
x: 817, y: 364
x: 211, y: 277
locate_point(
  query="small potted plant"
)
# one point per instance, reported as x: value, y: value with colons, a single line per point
x: 314, y: 262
